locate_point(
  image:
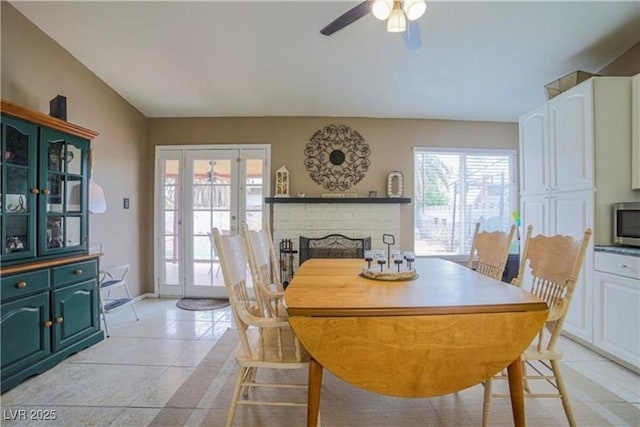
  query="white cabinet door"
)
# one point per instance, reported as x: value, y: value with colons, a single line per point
x: 571, y: 214
x: 571, y: 139
x: 617, y: 316
x: 535, y: 211
x: 534, y: 152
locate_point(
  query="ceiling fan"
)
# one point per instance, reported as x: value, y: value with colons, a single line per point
x: 396, y: 12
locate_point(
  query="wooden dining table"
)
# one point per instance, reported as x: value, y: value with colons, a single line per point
x: 448, y: 329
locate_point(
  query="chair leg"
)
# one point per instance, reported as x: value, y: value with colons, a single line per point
x: 525, y: 382
x: 236, y: 395
x: 133, y: 304
x: 102, y: 313
x: 250, y: 378
x: 562, y: 389
x: 104, y: 320
x: 486, y: 403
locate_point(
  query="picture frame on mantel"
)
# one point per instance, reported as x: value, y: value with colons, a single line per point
x: 282, y: 182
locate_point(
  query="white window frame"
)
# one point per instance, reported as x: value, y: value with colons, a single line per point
x: 513, y: 179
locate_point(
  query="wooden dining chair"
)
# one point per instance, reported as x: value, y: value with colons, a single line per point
x: 549, y: 268
x: 489, y: 251
x: 265, y: 342
x: 263, y: 265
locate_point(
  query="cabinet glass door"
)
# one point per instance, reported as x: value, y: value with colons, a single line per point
x: 63, y: 210
x: 18, y: 189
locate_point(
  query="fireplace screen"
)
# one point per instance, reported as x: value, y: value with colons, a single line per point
x: 333, y: 246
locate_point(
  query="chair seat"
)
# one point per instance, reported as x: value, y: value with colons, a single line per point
x: 109, y: 283
x: 112, y: 305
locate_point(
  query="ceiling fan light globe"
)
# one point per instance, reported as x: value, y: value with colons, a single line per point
x: 414, y: 9
x: 397, y: 22
x: 381, y: 9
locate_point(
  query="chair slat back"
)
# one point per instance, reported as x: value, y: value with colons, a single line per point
x: 552, y: 264
x: 233, y: 260
x: 489, y: 251
x: 260, y: 251
x: 275, y: 261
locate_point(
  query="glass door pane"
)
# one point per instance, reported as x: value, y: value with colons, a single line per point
x: 213, y: 202
x: 18, y: 189
x: 65, y: 211
x: 169, y: 255
x: 254, y: 181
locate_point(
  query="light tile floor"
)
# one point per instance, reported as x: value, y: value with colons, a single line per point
x: 127, y: 378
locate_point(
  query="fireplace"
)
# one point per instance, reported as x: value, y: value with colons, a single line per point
x: 333, y: 246
x: 318, y: 217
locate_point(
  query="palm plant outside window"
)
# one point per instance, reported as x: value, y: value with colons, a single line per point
x: 454, y: 189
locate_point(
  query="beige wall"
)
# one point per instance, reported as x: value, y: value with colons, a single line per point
x: 627, y: 64
x: 390, y: 140
x: 34, y: 70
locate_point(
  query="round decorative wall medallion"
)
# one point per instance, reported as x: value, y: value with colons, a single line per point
x: 336, y: 157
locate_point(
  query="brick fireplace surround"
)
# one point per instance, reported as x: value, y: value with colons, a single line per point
x: 318, y: 217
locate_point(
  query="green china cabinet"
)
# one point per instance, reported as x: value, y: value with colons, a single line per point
x: 49, y: 300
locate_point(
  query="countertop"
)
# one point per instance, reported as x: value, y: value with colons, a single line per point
x: 622, y: 250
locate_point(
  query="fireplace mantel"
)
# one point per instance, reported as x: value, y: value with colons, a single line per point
x: 369, y: 200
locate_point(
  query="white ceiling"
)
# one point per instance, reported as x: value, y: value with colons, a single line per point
x: 477, y: 60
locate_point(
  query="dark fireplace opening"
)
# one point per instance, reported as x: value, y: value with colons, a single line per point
x: 332, y: 246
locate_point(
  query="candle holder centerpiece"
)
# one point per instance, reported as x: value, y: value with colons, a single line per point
x: 389, y: 265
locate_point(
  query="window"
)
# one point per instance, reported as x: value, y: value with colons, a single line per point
x: 454, y: 189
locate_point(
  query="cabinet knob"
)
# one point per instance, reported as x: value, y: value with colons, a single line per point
x: 21, y: 285
x: 59, y: 320
x: 623, y: 266
x: 34, y: 191
x: 45, y: 191
x: 78, y: 272
x: 48, y: 324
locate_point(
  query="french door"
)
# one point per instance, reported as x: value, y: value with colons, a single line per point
x: 197, y: 189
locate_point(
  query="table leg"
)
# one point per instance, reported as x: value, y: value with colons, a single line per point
x: 313, y: 398
x: 516, y: 391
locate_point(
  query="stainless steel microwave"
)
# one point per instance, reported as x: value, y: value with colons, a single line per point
x: 626, y: 223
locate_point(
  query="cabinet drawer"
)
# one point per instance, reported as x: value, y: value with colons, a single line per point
x: 76, y: 272
x: 622, y: 265
x: 24, y: 283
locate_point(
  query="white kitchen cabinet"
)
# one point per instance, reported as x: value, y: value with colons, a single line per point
x: 556, y: 144
x: 534, y: 152
x: 617, y: 307
x: 574, y: 163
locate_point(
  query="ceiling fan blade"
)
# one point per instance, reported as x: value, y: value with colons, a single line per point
x: 411, y: 37
x: 347, y: 18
